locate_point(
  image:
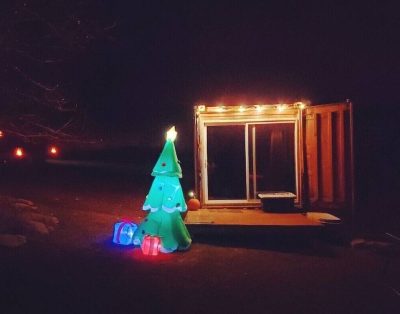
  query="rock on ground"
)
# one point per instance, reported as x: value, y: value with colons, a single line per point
x: 20, y: 218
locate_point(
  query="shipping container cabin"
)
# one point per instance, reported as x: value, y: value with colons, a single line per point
x: 242, y: 151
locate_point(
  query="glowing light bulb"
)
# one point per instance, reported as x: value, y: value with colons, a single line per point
x: 191, y: 194
x: 1, y: 134
x: 242, y: 108
x: 201, y: 108
x: 19, y: 152
x: 301, y: 106
x: 281, y: 107
x: 171, y: 134
x: 53, y: 150
x: 220, y: 108
x: 258, y: 108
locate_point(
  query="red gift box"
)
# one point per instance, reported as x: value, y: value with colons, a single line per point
x: 151, y: 245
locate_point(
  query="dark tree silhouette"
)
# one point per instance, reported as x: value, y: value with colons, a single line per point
x: 42, y: 45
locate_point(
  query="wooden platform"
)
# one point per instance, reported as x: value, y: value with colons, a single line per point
x: 248, y: 217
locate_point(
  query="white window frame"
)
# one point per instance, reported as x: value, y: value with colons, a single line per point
x: 233, y: 119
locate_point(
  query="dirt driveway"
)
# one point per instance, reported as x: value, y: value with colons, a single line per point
x: 76, y: 269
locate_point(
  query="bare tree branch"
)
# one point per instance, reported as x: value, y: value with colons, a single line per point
x: 36, y: 83
x: 113, y: 25
x: 38, y: 47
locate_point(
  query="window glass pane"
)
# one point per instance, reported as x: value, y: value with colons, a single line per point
x: 226, y: 163
x: 275, y: 163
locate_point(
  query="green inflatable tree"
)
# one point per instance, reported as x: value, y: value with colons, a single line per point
x: 165, y: 202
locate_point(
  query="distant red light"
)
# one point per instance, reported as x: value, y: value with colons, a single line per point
x: 1, y: 134
x: 53, y: 151
x: 19, y: 152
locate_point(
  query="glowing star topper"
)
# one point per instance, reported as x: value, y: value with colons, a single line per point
x: 171, y: 134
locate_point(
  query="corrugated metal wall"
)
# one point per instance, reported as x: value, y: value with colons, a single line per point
x: 328, y: 152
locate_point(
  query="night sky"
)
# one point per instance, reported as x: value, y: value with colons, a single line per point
x: 150, y: 62
x: 166, y: 57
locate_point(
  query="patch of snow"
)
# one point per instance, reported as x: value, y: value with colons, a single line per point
x: 12, y: 240
x: 22, y: 216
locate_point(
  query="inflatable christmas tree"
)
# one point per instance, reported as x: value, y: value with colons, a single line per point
x: 164, y: 203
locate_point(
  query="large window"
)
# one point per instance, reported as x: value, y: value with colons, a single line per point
x: 272, y: 166
x: 244, y: 159
x: 226, y: 163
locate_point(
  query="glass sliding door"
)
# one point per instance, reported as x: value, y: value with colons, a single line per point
x: 272, y: 156
x: 244, y: 159
x: 226, y: 162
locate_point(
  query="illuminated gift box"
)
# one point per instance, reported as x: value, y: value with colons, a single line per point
x: 123, y: 232
x: 151, y: 245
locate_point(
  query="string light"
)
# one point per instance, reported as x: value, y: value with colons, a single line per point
x: 220, y: 108
x: 258, y: 108
x: 281, y: 107
x: 201, y: 108
x: 301, y: 105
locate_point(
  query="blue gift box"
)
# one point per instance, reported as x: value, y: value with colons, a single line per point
x: 123, y: 232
